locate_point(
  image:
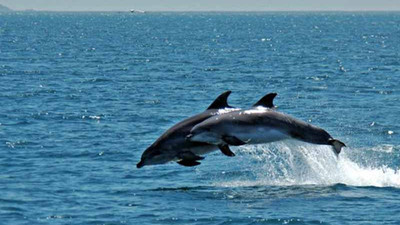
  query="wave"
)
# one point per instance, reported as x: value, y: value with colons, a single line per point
x: 296, y: 163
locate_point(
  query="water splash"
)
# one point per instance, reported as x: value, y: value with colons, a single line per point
x: 296, y: 163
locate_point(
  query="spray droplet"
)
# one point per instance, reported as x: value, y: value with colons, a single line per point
x: 390, y: 132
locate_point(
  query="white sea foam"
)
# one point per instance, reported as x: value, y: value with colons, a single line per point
x: 295, y: 163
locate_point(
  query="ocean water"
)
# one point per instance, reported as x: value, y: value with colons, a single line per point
x: 83, y: 94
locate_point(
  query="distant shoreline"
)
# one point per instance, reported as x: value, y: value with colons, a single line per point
x: 4, y: 8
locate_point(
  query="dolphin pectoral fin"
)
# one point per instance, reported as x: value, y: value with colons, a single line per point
x: 188, y: 163
x: 226, y: 150
x: 232, y: 140
x: 337, y: 145
x: 189, y: 159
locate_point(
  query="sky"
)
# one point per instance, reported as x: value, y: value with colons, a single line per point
x: 203, y: 5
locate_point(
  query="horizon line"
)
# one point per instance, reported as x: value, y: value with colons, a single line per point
x: 211, y: 11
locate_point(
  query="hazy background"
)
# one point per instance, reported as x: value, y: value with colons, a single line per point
x: 201, y: 5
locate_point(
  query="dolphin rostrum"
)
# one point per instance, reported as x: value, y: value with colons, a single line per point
x: 259, y: 125
x: 173, y: 146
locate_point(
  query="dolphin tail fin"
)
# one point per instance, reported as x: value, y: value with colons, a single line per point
x: 221, y: 101
x: 337, y: 145
x: 266, y: 101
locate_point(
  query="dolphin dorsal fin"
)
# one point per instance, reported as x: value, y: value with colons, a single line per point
x: 221, y: 101
x: 266, y: 101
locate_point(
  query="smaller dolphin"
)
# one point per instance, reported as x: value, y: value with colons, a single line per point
x: 259, y: 125
x: 173, y: 146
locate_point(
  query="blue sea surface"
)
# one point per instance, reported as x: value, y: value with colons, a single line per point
x: 84, y: 94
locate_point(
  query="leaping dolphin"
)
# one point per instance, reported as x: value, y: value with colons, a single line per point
x: 173, y: 146
x: 259, y: 125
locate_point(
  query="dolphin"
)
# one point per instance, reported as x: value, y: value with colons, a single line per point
x: 259, y: 125
x: 173, y: 146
